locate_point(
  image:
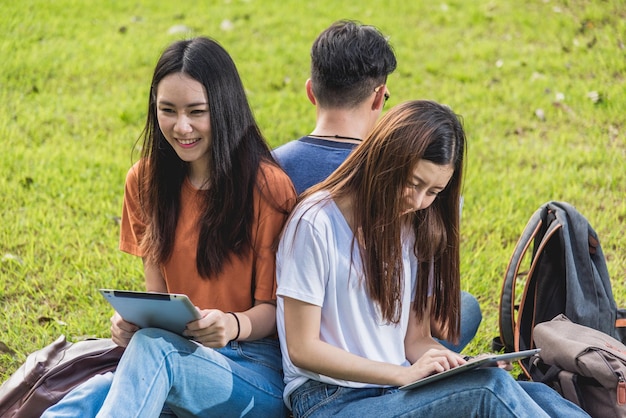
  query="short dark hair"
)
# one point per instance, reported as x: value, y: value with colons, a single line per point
x: 348, y: 61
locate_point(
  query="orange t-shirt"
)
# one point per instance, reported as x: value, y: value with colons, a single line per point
x: 243, y: 279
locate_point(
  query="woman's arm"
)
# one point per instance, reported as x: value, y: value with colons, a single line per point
x: 418, y: 338
x: 258, y: 321
x: 154, y: 278
x: 307, y: 351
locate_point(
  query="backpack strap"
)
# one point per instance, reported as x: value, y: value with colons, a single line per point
x: 564, y: 382
x: 525, y: 321
x: 620, y: 325
x: 569, y: 387
x: 507, y: 295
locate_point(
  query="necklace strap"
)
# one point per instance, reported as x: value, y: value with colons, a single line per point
x: 337, y: 137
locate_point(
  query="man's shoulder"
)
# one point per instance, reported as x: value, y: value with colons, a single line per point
x: 311, y: 147
x: 289, y: 147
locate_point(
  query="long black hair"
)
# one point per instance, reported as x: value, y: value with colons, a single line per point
x: 237, y: 148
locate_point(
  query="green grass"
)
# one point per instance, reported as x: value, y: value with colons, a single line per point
x: 74, y: 79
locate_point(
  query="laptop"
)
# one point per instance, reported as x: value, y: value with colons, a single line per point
x: 169, y: 311
x: 481, y: 361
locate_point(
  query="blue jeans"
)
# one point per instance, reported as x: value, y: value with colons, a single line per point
x: 551, y: 401
x: 488, y: 392
x: 84, y: 400
x: 163, y: 374
x: 470, y: 320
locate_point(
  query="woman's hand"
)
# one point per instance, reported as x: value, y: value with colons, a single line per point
x: 431, y: 362
x: 214, y: 329
x: 121, y: 331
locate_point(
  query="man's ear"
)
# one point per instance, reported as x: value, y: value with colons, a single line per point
x: 309, y: 91
x: 379, y: 99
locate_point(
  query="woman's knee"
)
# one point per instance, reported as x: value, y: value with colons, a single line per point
x: 471, y: 308
x: 152, y: 333
x: 494, y: 379
x: 144, y: 335
x: 151, y: 340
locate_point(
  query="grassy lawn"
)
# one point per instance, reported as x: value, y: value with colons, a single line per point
x: 541, y: 86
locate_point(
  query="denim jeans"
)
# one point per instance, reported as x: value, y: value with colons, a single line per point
x: 470, y: 320
x: 162, y: 374
x: 84, y: 400
x: 551, y: 401
x: 488, y: 392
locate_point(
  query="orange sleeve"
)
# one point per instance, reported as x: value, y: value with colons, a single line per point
x: 275, y: 200
x: 133, y: 225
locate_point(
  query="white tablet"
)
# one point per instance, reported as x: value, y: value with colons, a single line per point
x: 481, y: 361
x: 169, y: 311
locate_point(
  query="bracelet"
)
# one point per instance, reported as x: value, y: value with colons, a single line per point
x: 238, y: 325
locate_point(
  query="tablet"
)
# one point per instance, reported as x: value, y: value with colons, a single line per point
x: 481, y: 361
x: 169, y: 311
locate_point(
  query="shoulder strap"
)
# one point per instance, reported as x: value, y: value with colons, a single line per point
x: 507, y: 295
x: 535, y: 300
x: 568, y: 382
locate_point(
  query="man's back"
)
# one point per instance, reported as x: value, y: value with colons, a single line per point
x: 310, y: 160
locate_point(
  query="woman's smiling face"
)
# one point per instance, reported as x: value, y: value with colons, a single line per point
x: 183, y: 117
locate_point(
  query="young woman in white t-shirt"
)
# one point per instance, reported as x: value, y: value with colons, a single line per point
x: 366, y: 259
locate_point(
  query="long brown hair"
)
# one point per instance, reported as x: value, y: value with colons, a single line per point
x: 374, y: 176
x: 237, y: 150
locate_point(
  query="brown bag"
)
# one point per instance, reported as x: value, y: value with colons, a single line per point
x: 49, y: 374
x: 586, y: 366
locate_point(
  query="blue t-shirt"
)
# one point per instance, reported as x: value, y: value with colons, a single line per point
x: 308, y: 161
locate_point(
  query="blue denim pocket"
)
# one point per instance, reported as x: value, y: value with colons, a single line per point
x: 314, y: 397
x: 264, y: 352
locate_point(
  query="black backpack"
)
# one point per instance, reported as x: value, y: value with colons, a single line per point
x: 567, y: 274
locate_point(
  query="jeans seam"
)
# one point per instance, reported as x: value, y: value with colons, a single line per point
x: 232, y: 372
x: 323, y: 402
x: 165, y: 359
x: 252, y: 359
x: 502, y: 401
x: 151, y: 384
x: 411, y: 413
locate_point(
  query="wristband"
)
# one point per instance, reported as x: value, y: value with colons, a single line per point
x: 238, y: 325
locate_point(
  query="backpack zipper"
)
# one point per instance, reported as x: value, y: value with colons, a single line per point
x: 621, y: 381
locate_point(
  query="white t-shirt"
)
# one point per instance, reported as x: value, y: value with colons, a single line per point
x: 313, y: 265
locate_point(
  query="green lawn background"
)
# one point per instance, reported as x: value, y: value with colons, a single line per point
x: 540, y: 85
